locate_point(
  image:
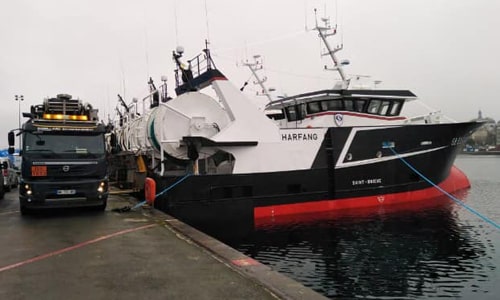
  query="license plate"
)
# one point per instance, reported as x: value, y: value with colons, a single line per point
x: 66, y: 192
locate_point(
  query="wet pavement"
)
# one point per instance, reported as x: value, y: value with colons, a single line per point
x: 142, y: 254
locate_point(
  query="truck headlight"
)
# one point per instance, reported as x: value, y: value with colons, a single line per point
x: 28, y: 190
x: 102, y: 187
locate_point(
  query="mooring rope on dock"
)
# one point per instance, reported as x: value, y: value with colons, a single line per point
x: 172, y: 185
x: 455, y: 199
x: 128, y: 208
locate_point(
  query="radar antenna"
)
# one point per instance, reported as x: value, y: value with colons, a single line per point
x: 254, y: 67
x: 324, y: 32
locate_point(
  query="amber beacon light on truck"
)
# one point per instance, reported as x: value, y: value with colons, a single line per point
x: 63, y: 108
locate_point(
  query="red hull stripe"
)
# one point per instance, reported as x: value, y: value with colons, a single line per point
x: 456, y: 181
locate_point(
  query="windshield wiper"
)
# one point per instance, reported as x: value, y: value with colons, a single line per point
x: 42, y: 150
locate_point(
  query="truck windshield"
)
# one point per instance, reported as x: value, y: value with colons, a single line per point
x: 64, y: 144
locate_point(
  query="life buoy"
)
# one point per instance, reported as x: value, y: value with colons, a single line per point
x: 150, y: 190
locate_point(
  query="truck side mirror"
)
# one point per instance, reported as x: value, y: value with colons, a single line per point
x: 10, y: 137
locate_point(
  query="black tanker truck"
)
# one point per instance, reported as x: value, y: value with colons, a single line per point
x: 63, y: 156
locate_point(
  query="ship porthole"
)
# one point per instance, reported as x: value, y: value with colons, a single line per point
x: 349, y: 156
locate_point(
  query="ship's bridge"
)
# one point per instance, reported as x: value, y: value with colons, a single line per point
x: 371, y: 104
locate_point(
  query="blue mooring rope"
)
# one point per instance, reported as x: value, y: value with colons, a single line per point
x: 486, y: 219
x: 164, y: 190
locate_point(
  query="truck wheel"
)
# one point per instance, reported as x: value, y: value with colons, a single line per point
x: 24, y: 210
x: 101, y: 207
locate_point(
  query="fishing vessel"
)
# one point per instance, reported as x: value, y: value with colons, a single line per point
x: 218, y: 158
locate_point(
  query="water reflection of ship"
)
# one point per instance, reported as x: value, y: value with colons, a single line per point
x: 406, y: 252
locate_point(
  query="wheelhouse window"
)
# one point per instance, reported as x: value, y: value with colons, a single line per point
x: 291, y: 113
x: 359, y: 105
x: 334, y: 104
x: 313, y: 107
x: 395, y: 108
x: 301, y: 110
x: 296, y: 112
x: 374, y: 106
x: 384, y: 108
x: 349, y: 104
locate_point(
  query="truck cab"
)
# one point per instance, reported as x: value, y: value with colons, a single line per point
x: 63, y: 160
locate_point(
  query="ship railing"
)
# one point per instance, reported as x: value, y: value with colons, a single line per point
x: 429, y: 118
x: 199, y: 64
x: 149, y: 97
x: 195, y: 68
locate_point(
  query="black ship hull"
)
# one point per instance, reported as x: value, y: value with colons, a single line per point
x: 355, y: 167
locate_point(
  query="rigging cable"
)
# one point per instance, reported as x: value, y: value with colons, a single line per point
x: 175, y: 19
x: 206, y: 19
x: 144, y: 19
x: 455, y: 199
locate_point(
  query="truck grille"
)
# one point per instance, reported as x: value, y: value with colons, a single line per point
x: 71, y: 169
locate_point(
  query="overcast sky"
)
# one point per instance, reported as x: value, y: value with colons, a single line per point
x: 445, y: 51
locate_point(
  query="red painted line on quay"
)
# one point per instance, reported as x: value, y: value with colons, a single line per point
x: 80, y: 245
x: 244, y: 262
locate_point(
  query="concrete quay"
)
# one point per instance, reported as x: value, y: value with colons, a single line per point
x: 140, y: 254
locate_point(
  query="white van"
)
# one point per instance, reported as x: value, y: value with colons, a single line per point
x: 10, y: 177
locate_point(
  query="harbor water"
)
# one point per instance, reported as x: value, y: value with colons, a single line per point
x: 417, y: 251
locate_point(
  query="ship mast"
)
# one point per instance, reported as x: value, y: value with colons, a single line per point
x: 255, y: 66
x: 324, y: 32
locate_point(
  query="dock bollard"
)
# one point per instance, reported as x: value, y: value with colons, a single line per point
x: 150, y: 190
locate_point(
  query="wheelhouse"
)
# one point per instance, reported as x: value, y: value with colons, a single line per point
x: 380, y: 104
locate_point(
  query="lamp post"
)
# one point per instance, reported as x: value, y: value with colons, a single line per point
x: 19, y: 98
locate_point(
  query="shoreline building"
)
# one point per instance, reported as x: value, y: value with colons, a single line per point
x: 487, y: 136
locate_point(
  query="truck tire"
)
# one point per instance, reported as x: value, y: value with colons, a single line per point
x: 24, y: 210
x: 101, y: 207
